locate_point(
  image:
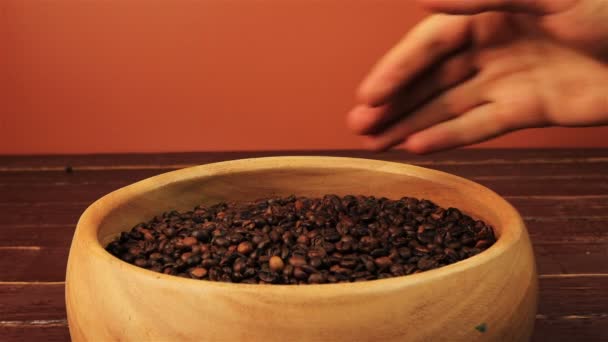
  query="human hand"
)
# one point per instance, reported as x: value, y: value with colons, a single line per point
x: 460, y: 79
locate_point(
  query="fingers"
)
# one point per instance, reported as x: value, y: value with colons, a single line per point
x: 373, y: 120
x: 477, y: 125
x: 448, y: 105
x: 478, y: 6
x: 423, y: 46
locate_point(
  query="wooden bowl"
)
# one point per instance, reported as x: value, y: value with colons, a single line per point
x: 489, y: 297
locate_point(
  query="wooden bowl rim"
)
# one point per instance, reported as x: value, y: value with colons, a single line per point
x: 88, y: 224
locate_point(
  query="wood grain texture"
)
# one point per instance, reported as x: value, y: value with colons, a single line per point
x: 571, y: 328
x: 569, y: 231
x: 36, y: 331
x: 33, y: 263
x: 562, y: 246
x: 27, y: 302
x: 89, y: 192
x: 541, y: 209
x: 460, y: 157
x: 571, y: 309
x: 48, y: 263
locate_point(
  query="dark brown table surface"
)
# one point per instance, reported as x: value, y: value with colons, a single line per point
x: 562, y: 195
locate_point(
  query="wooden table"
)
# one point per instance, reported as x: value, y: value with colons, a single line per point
x: 562, y: 194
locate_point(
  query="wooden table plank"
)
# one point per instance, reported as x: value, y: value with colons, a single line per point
x: 550, y: 329
x: 471, y: 169
x: 571, y: 329
x: 567, y: 305
x: 26, y: 302
x: 48, y: 263
x: 548, y: 231
x: 535, y: 208
x: 33, y: 263
x: 44, y: 236
x: 559, y: 297
x: 40, y: 331
x: 457, y: 156
x: 89, y: 192
x: 562, y: 194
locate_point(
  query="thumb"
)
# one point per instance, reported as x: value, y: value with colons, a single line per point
x: 539, y: 7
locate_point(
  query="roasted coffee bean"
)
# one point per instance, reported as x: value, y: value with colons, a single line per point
x: 297, y: 260
x: 155, y: 256
x: 368, y: 243
x: 397, y: 270
x: 276, y: 263
x: 267, y: 277
x: 141, y: 262
x: 249, y: 272
x: 288, y: 271
x: 198, y: 272
x: 193, y: 260
x: 303, y: 240
x: 383, y: 262
x: 339, y: 270
x: 298, y: 240
x: 128, y: 257
x: 317, y: 252
x: 426, y: 263
x: 404, y: 252
x: 299, y: 273
x: 245, y: 247
x: 189, y: 241
x: 222, y: 242
x: 316, y: 278
x: 316, y: 262
x: 379, y: 252
x: 349, y: 261
x: 369, y: 263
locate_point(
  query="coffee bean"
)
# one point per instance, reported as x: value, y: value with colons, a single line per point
x: 379, y: 252
x: 239, y: 266
x: 316, y: 262
x: 245, y: 247
x: 349, y: 261
x: 383, y: 262
x: 193, y: 260
x: 288, y: 271
x: 185, y: 256
x: 308, y: 269
x: 276, y: 263
x: 155, y: 256
x: 340, y: 271
x: 369, y: 264
x: 198, y: 272
x: 317, y: 252
x: 482, y: 244
x: 426, y: 263
x: 316, y: 278
x: 304, y: 240
x: 299, y: 274
x: 128, y: 257
x: 222, y: 242
x: 297, y: 260
x: 141, y: 262
x: 268, y: 277
x: 189, y: 241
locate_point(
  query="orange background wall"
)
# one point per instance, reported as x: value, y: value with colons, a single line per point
x: 185, y: 75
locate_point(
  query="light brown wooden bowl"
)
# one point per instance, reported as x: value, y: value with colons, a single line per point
x: 108, y: 299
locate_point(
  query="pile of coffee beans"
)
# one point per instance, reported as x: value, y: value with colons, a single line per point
x: 299, y: 240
